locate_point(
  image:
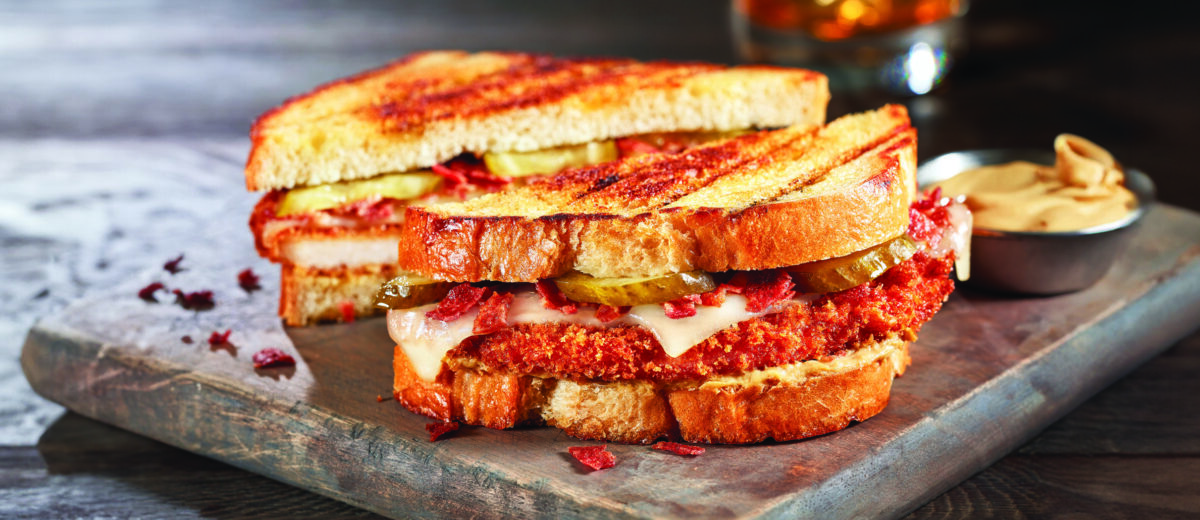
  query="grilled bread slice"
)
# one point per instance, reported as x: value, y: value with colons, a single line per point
x: 758, y: 201
x: 794, y: 402
x: 430, y: 107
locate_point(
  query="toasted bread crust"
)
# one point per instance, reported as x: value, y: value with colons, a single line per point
x: 430, y: 107
x: 739, y: 412
x: 808, y: 217
x: 312, y: 295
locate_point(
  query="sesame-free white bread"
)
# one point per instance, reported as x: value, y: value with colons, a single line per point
x: 784, y: 403
x: 429, y: 107
x: 759, y: 201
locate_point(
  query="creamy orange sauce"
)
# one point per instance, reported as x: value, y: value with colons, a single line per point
x: 1084, y: 188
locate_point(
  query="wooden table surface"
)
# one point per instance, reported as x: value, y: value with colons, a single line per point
x: 78, y: 77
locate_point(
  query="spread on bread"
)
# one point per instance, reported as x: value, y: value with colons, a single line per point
x: 1083, y: 188
x: 340, y: 163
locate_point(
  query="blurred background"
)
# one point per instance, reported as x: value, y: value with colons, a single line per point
x: 1124, y: 75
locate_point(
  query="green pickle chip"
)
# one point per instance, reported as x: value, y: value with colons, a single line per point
x: 410, y: 290
x: 845, y: 272
x: 620, y: 292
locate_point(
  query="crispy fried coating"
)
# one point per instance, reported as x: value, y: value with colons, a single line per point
x: 897, y: 303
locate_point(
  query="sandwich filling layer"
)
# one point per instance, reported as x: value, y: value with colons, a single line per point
x: 346, y: 223
x: 724, y: 336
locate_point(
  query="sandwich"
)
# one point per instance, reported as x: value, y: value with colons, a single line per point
x: 761, y: 286
x: 340, y: 163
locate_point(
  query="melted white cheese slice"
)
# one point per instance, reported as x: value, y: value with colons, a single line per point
x: 677, y: 336
x: 426, y: 341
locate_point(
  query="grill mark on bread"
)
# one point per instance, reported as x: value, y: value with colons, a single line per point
x: 544, y: 80
x: 339, y: 132
x: 650, y: 182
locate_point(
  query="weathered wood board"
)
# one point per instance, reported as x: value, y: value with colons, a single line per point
x: 988, y: 373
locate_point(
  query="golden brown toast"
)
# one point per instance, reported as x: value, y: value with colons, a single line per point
x: 429, y: 107
x: 806, y: 401
x: 758, y: 201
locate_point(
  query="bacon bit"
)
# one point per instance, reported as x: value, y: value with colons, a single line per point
x: 380, y: 398
x: 461, y: 175
x: 147, y: 292
x: 607, y: 313
x: 186, y: 339
x: 199, y: 300
x: 493, y: 313
x: 683, y: 307
x: 595, y: 457
x: 715, y: 297
x: 218, y: 338
x: 436, y: 430
x: 248, y: 280
x: 458, y: 301
x: 554, y: 299
x: 927, y: 217
x: 272, y: 357
x: 678, y: 449
x: 631, y: 147
x: 172, y: 266
x: 371, y: 209
x: 347, y: 308
x: 768, y: 287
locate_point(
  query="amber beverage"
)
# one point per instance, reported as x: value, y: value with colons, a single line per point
x: 904, y: 46
x: 839, y: 19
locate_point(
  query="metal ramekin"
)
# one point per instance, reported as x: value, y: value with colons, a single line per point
x: 1040, y: 262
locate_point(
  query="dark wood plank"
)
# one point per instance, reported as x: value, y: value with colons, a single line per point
x: 1075, y: 486
x: 1129, y: 452
x: 80, y: 467
x: 1153, y: 411
x: 988, y: 373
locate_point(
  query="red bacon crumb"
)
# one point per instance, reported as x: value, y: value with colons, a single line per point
x: 462, y: 174
x: 186, y: 339
x: 147, y: 292
x: 272, y: 357
x: 371, y: 209
x: 607, y: 313
x: 347, y: 308
x: 684, y: 307
x: 552, y: 298
x: 766, y: 288
x: 714, y: 298
x: 595, y: 457
x: 678, y: 449
x: 458, y: 301
x: 630, y: 147
x: 436, y: 430
x: 493, y: 313
x: 248, y: 280
x: 172, y: 266
x: 198, y: 300
x: 218, y: 338
x: 927, y: 217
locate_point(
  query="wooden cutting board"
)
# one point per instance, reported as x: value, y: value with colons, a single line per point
x: 988, y: 373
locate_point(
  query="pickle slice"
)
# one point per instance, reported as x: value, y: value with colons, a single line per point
x: 399, y: 186
x: 551, y: 160
x: 844, y: 272
x: 620, y: 292
x: 410, y: 290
